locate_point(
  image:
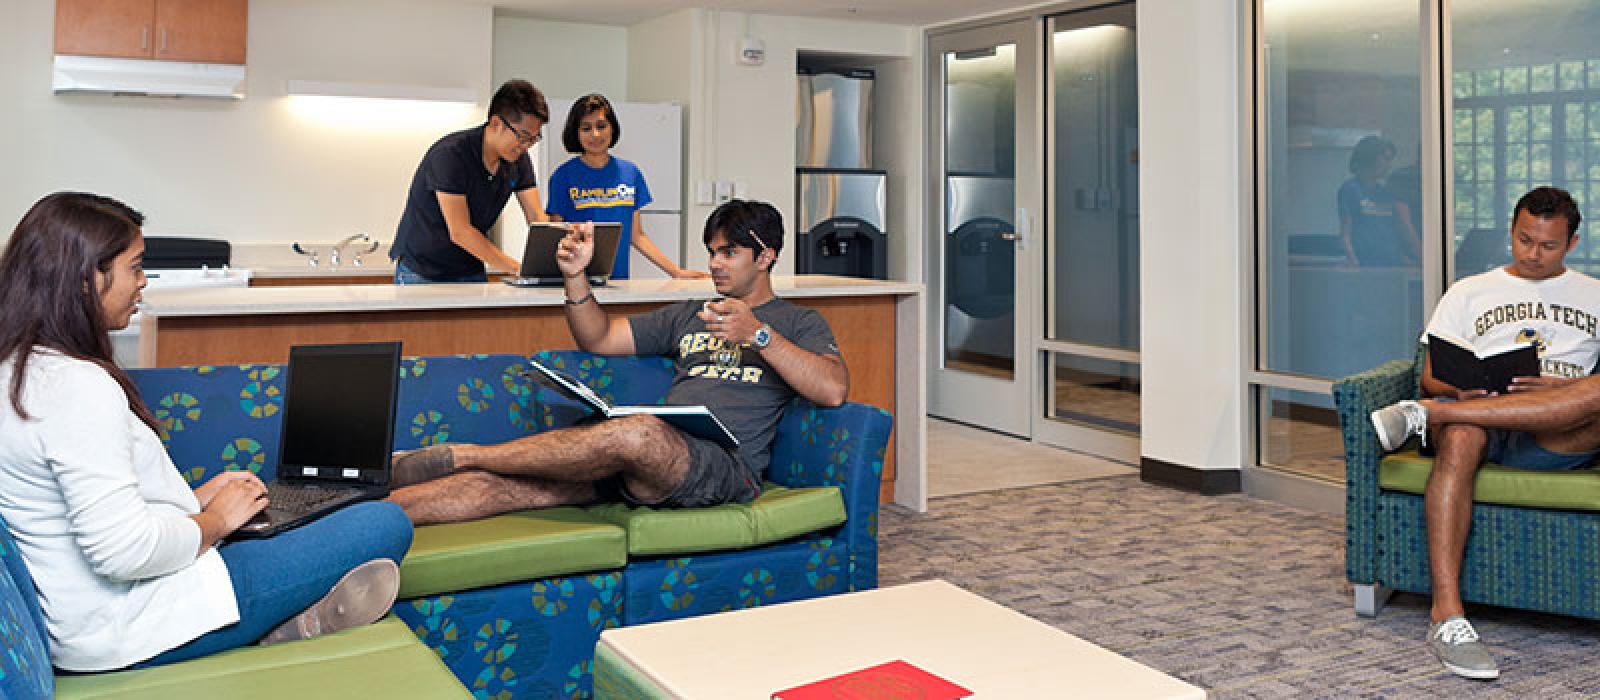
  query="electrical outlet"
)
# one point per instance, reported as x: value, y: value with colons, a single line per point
x: 724, y: 191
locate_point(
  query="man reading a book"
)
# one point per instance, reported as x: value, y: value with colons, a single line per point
x: 743, y: 356
x: 1536, y: 301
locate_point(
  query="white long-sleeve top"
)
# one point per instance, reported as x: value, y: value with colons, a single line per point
x: 101, y: 517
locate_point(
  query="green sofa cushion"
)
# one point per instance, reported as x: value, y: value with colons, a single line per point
x: 1577, y: 489
x: 383, y: 660
x: 521, y: 546
x: 779, y: 514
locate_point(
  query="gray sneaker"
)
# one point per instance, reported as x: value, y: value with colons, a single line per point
x: 1457, y: 646
x: 361, y: 597
x: 1396, y: 423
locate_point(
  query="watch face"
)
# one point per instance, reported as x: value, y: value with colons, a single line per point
x: 761, y: 338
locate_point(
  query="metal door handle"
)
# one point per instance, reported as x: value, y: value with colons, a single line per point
x: 163, y: 39
x: 144, y: 38
x: 1010, y: 235
x: 1024, y: 226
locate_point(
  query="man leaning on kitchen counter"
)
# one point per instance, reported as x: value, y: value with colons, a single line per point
x: 462, y: 185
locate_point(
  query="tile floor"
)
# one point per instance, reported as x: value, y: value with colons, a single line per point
x: 963, y: 459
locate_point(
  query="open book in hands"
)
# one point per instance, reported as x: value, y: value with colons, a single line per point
x: 1455, y: 362
x: 698, y: 421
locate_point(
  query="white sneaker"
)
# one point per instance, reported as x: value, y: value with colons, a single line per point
x: 1396, y: 424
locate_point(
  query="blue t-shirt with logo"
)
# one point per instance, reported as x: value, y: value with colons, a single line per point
x: 612, y: 192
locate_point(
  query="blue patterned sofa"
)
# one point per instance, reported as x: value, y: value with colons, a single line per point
x: 514, y: 604
x: 1535, y: 539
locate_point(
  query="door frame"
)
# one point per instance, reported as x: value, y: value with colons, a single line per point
x: 989, y: 402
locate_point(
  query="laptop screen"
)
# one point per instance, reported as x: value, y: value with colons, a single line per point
x: 539, y: 254
x: 338, y: 412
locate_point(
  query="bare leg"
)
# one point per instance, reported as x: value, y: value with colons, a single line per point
x: 649, y: 455
x: 469, y: 495
x: 1565, y: 418
x: 1447, y: 507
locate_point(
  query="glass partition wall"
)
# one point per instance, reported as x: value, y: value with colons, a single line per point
x: 1392, y: 141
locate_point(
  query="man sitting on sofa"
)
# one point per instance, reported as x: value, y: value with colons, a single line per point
x: 1533, y: 300
x: 744, y: 356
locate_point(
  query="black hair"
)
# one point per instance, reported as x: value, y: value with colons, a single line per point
x: 516, y: 99
x: 583, y: 107
x: 747, y: 224
x: 1367, y: 151
x: 1548, y: 203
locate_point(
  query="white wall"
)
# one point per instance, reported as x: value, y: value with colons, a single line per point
x: 267, y: 168
x: 741, y: 119
x: 1193, y: 233
x: 562, y: 59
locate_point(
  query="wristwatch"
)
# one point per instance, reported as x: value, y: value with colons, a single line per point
x: 762, y: 337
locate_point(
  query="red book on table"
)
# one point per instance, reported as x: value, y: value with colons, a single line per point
x: 891, y: 681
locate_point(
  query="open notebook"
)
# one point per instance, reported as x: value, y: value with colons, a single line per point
x: 698, y: 421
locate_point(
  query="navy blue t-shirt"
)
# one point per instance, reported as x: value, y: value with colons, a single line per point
x: 612, y: 192
x: 454, y: 165
x: 1374, y: 230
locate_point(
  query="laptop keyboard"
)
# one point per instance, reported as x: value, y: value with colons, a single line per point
x: 299, y: 498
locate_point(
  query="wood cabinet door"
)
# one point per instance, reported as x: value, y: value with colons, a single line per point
x: 119, y: 28
x: 206, y: 31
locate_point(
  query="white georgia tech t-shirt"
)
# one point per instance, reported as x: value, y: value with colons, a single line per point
x: 1496, y: 311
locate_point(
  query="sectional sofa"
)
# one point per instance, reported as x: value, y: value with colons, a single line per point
x: 510, y: 606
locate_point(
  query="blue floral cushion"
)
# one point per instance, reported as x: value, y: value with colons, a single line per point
x: 25, y: 672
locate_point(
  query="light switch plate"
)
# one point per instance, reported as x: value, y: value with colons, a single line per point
x: 702, y: 193
x: 724, y: 191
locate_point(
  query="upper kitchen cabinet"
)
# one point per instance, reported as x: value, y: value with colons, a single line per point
x: 202, y: 31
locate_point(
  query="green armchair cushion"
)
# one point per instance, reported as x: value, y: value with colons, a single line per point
x: 383, y: 660
x: 778, y: 514
x: 521, y: 546
x: 1577, y: 489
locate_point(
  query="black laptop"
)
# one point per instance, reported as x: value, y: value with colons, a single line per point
x: 338, y: 431
x: 539, y: 267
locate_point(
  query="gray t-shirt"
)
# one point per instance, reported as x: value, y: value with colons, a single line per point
x: 731, y: 379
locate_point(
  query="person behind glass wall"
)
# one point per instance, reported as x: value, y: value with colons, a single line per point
x: 1375, y: 225
x: 124, y: 553
x: 462, y: 185
x: 597, y: 186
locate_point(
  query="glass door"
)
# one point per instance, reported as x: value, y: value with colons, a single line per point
x: 985, y: 195
x: 1090, y: 344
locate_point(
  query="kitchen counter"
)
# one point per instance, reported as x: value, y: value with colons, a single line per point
x: 167, y: 303
x: 879, y: 327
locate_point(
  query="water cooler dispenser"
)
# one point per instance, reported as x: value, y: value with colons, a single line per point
x: 840, y: 198
x: 840, y: 223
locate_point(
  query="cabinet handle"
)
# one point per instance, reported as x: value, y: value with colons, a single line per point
x: 144, y: 38
x: 163, y: 40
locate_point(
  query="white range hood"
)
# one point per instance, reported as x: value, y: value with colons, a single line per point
x: 132, y: 76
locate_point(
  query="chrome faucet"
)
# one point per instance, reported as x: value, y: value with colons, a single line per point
x: 310, y: 254
x: 333, y: 258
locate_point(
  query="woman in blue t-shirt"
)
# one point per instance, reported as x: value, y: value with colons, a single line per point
x: 597, y: 186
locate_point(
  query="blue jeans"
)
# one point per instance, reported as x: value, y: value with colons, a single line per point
x: 405, y: 275
x: 277, y: 577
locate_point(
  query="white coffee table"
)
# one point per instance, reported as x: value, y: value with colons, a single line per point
x: 992, y: 650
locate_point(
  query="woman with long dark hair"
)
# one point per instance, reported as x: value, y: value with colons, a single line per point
x: 125, y: 555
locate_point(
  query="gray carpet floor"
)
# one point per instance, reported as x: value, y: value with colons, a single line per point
x: 1243, y: 597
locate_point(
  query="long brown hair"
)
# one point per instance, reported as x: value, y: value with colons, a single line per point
x: 49, y: 286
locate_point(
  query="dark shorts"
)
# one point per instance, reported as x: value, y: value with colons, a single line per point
x: 716, y: 475
x: 1514, y: 448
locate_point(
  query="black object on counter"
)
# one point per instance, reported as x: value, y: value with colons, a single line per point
x: 177, y: 253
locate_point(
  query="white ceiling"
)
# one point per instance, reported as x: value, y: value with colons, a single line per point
x: 626, y: 12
